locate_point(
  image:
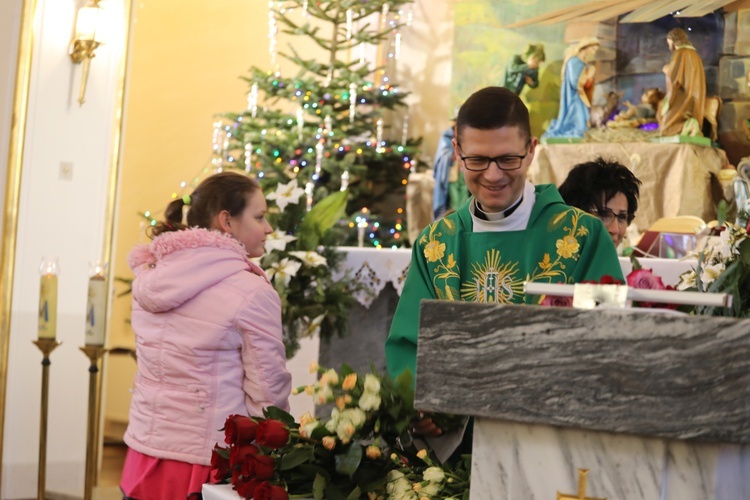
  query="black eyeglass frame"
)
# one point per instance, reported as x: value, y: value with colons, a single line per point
x: 496, y: 160
x: 623, y: 218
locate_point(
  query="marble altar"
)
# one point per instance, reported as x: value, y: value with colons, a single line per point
x: 652, y: 406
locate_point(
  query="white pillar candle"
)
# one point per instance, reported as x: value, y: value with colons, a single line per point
x: 379, y: 137
x: 48, y: 271
x: 96, y: 306
x: 252, y: 100
x: 352, y: 101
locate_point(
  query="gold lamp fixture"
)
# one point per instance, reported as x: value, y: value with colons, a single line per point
x: 84, y: 41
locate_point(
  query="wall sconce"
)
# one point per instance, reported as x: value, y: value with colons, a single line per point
x: 84, y: 41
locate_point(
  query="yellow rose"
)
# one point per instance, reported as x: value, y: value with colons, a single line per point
x: 434, y: 251
x: 422, y: 454
x: 567, y: 246
x: 373, y: 452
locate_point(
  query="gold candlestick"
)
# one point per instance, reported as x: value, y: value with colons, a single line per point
x: 94, y: 353
x: 46, y: 346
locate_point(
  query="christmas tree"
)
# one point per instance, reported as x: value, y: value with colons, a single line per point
x: 329, y: 145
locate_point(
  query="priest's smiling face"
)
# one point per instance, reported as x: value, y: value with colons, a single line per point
x: 495, y: 189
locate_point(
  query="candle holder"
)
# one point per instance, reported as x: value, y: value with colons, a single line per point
x: 95, y: 354
x: 46, y: 346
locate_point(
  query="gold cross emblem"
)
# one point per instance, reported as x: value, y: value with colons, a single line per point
x: 581, y: 495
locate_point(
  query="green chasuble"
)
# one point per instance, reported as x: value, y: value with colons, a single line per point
x: 560, y: 244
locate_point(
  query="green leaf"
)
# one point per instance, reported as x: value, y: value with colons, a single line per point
x: 333, y: 492
x: 744, y: 249
x: 295, y: 457
x: 348, y: 462
x: 319, y: 486
x: 355, y: 494
x: 276, y: 413
x: 321, y: 218
x: 634, y: 261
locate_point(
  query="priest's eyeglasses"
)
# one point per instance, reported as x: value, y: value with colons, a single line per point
x: 505, y: 162
x: 607, y: 216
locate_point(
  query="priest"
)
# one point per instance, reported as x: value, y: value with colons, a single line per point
x: 507, y: 233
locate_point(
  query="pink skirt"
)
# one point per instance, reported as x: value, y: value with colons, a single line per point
x: 146, y: 478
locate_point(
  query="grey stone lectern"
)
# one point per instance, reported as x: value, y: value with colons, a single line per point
x: 655, y: 406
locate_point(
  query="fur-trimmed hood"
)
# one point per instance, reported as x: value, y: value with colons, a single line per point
x: 178, y: 265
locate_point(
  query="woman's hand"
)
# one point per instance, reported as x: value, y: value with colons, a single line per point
x: 425, y: 426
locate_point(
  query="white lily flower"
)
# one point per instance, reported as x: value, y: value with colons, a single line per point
x: 312, y: 328
x: 277, y: 240
x: 283, y: 270
x: 687, y: 280
x: 711, y: 272
x: 310, y: 258
x: 286, y: 194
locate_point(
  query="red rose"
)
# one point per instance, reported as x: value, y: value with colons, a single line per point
x: 246, y: 489
x: 261, y: 467
x: 609, y: 280
x: 237, y: 454
x: 555, y: 301
x: 219, y: 465
x: 644, y: 278
x: 268, y: 491
x: 239, y: 429
x: 272, y: 433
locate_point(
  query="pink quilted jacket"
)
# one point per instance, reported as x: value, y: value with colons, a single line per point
x: 209, y: 344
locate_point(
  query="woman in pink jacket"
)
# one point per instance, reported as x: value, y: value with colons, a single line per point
x: 208, y: 336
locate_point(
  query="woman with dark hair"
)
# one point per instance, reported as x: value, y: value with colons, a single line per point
x: 607, y: 189
x: 208, y: 332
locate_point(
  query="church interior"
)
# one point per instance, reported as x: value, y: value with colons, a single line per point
x: 99, y: 130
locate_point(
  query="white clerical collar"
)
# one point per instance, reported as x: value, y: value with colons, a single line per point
x: 516, y: 220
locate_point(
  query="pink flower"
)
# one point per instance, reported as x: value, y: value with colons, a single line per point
x: 555, y: 301
x: 644, y: 278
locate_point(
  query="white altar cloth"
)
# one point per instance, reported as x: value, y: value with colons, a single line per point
x: 374, y: 268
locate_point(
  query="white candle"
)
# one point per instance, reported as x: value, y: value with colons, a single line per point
x: 349, y: 23
x: 405, y: 130
x: 309, y: 189
x: 327, y: 126
x: 344, y: 180
x: 352, y: 101
x: 319, y: 150
x: 361, y: 227
x: 48, y: 299
x: 272, y: 30
x: 379, y: 138
x: 96, y: 306
x: 252, y: 100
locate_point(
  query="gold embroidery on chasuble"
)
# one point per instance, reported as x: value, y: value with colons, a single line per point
x: 495, y: 279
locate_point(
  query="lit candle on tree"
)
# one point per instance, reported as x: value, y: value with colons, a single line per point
x: 96, y: 305
x: 48, y: 298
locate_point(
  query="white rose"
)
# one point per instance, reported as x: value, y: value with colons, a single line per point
x: 369, y: 401
x: 372, y: 383
x: 434, y: 475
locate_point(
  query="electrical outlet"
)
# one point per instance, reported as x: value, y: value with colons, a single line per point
x: 66, y: 171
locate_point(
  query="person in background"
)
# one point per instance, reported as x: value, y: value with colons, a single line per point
x: 508, y: 232
x: 208, y: 334
x: 524, y: 69
x: 686, y: 87
x: 607, y: 189
x: 450, y: 190
x: 576, y: 91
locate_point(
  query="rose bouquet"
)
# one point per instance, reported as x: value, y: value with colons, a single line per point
x: 723, y: 267
x: 363, y: 450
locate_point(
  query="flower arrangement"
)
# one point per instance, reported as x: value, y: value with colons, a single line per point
x: 363, y: 450
x: 723, y: 267
x: 639, y: 277
x: 299, y: 259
